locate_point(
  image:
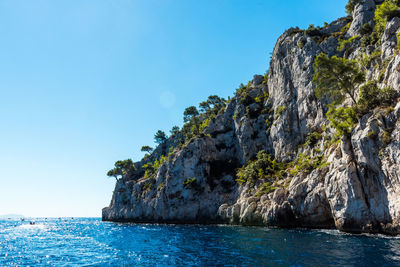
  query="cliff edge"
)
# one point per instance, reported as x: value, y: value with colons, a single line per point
x: 270, y: 156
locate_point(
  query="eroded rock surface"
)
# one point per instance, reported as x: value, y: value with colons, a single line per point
x: 358, y: 190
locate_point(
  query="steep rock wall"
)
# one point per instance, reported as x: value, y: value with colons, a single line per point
x: 358, y: 189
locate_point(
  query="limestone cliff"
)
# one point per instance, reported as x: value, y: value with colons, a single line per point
x: 356, y: 190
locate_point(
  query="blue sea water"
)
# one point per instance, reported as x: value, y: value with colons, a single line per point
x: 90, y: 242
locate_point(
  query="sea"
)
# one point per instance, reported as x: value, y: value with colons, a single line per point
x: 91, y: 242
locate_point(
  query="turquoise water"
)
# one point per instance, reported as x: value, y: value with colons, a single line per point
x: 91, y: 242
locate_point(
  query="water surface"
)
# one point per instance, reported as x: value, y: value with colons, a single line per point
x: 90, y: 242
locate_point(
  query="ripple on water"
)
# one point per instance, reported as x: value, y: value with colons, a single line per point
x: 92, y: 242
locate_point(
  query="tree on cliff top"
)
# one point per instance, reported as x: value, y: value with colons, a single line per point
x: 160, y: 137
x: 336, y: 77
x: 147, y: 149
x: 121, y: 168
x: 190, y: 113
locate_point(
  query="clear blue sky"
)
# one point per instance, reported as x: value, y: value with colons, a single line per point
x: 84, y: 83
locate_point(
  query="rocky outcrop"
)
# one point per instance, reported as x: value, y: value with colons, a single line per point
x: 356, y: 190
x: 363, y: 13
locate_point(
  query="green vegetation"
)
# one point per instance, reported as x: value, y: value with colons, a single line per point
x: 366, y: 61
x: 269, y: 171
x: 313, y: 138
x: 312, y: 30
x: 160, y: 186
x: 336, y: 77
x: 398, y: 41
x: 266, y: 188
x: 279, y: 111
x: 149, y: 184
x: 372, y: 135
x: 371, y: 96
x: 190, y: 113
x: 121, y: 168
x: 385, y: 12
x: 174, y: 131
x: 345, y: 45
x: 342, y: 119
x: 189, y: 182
x: 147, y: 149
x: 306, y: 164
x: 160, y: 137
x: 351, y: 5
x: 263, y: 167
x: 196, y: 122
x: 387, y: 136
x: 301, y: 43
x: 366, y: 29
x: 150, y: 169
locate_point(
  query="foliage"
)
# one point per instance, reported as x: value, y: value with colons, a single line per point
x: 196, y: 122
x: 174, y: 131
x: 266, y: 188
x: 147, y: 149
x: 213, y: 102
x: 313, y: 138
x: 372, y: 135
x: 261, y: 99
x: 160, y: 137
x: 121, y: 168
x: 368, y: 95
x: 263, y: 167
x: 312, y: 30
x: 366, y: 29
x: 279, y: 111
x: 205, y: 123
x: 387, y: 136
x: 306, y: 164
x: 345, y: 45
x: 351, y: 5
x: 336, y: 77
x: 190, y: 113
x: 398, y: 41
x: 342, y: 119
x: 371, y: 96
x: 152, y: 168
x: 189, y: 182
x: 385, y: 12
x: 149, y: 184
x: 241, y: 89
x: 160, y: 186
x: 265, y: 78
x: 301, y: 43
x: 366, y: 60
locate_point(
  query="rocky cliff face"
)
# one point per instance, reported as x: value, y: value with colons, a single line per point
x: 356, y: 190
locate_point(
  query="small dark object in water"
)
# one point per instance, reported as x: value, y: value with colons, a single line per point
x: 32, y: 223
x: 22, y: 219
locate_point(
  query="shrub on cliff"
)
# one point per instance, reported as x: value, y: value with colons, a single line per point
x: 342, y: 119
x: 351, y: 5
x: 160, y: 137
x: 336, y: 77
x: 147, y: 149
x: 174, y: 131
x: 263, y: 167
x: 121, y: 168
x: 385, y: 12
x: 150, y: 169
x: 371, y: 96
